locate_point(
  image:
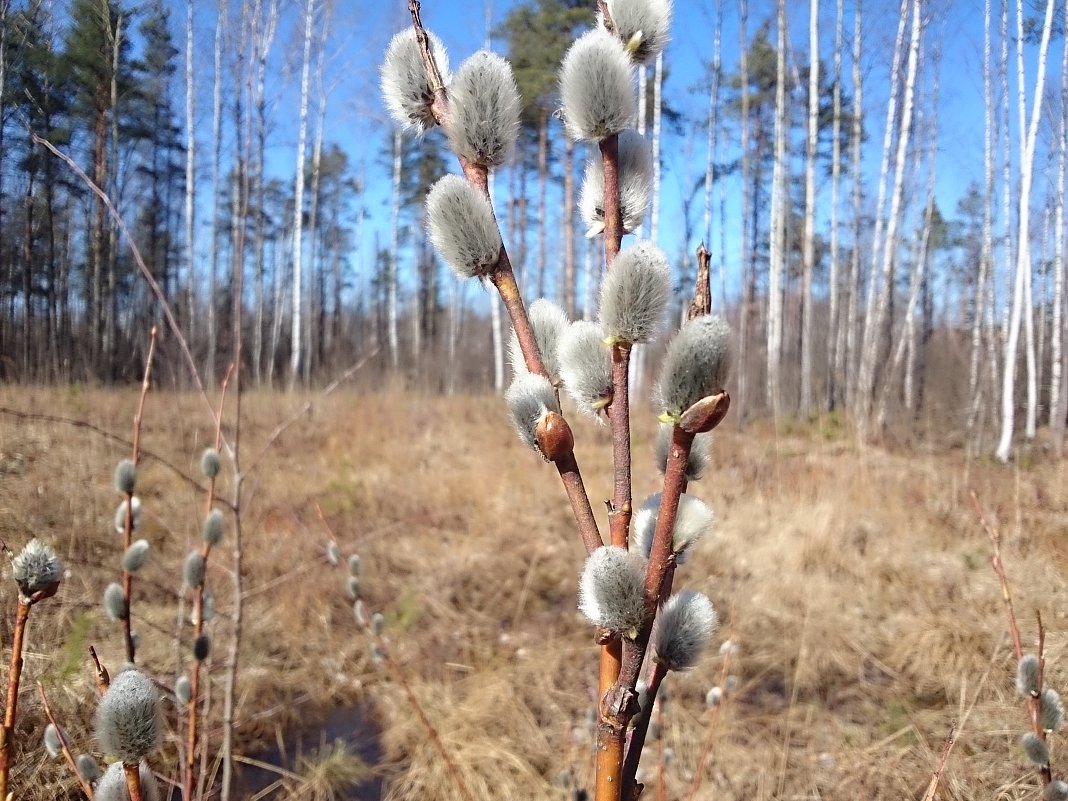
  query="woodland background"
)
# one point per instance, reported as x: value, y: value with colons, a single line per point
x: 803, y: 150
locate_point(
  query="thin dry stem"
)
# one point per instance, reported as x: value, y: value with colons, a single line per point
x: 192, y: 731
x: 657, y: 674
x: 503, y: 278
x: 1034, y: 703
x: 63, y: 745
x: 713, y: 721
x: 133, y: 781
x: 936, y: 777
x: 127, y: 533
x: 14, y: 676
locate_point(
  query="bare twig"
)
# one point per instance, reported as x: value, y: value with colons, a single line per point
x: 503, y: 278
x: 192, y: 731
x: 128, y: 522
x: 133, y: 780
x: 37, y: 417
x: 936, y: 777
x: 713, y: 721
x: 1034, y: 702
x: 64, y: 746
x: 14, y: 676
x: 305, y: 409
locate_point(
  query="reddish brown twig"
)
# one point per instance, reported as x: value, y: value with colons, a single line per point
x: 192, y: 731
x: 63, y: 745
x: 936, y: 777
x: 128, y: 524
x: 14, y: 676
x: 503, y: 278
x: 1034, y: 702
x: 133, y: 780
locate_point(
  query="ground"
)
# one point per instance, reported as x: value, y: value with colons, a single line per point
x: 856, y: 584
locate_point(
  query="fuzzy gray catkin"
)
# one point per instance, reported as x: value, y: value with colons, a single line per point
x: 1036, y: 749
x: 612, y: 590
x: 642, y: 25
x: 183, y: 689
x: 595, y: 87
x: 635, y: 293
x: 682, y: 630
x: 586, y: 366
x: 333, y: 553
x: 695, y: 366
x: 1052, y: 710
x: 548, y: 322
x: 1027, y: 676
x: 213, y: 527
x: 36, y: 568
x: 193, y: 569
x: 129, y: 723
x: 483, y: 117
x: 700, y: 451
x: 634, y: 171
x: 406, y: 86
x: 136, y: 556
x: 530, y: 397
x: 209, y: 463
x: 120, y: 515
x: 53, y: 743
x: 88, y: 768
x: 125, y: 476
x: 112, y: 785
x: 115, y: 602
x: 693, y: 520
x: 462, y: 227
x: 1055, y: 791
x: 354, y: 565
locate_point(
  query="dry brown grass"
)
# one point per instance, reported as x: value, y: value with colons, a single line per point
x: 866, y: 611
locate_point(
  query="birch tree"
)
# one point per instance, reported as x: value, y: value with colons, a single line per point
x: 1056, y: 371
x: 879, y: 291
x: 810, y: 207
x: 776, y: 265
x: 855, y: 140
x: 190, y: 174
x: 1023, y: 245
x: 298, y: 198
x: 987, y: 253
x: 216, y: 195
x: 744, y: 247
x: 835, y: 330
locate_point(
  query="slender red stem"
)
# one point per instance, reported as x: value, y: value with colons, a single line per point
x: 14, y: 676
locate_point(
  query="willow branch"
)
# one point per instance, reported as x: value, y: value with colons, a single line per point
x: 64, y: 745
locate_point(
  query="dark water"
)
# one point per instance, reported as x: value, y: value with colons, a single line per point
x: 354, y: 727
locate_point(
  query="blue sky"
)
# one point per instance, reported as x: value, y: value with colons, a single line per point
x: 357, y: 122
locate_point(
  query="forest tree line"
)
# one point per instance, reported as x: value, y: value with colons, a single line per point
x: 849, y: 287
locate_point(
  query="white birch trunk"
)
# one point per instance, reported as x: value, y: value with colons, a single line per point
x: 1056, y: 367
x: 317, y: 155
x: 1008, y: 258
x: 394, y: 247
x: 835, y: 331
x: 986, y: 257
x: 887, y: 252
x: 1021, y: 289
x: 855, y: 138
x: 216, y: 192
x: 298, y: 200
x: 744, y: 243
x: 776, y: 265
x: 190, y: 176
x: 810, y: 207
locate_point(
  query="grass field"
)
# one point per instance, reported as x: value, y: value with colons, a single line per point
x: 857, y: 585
